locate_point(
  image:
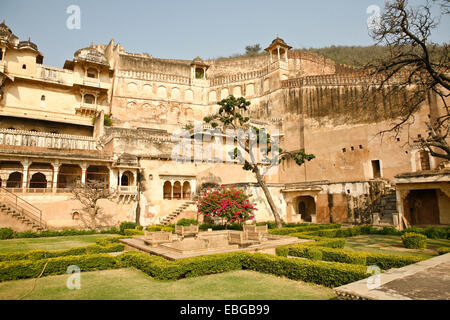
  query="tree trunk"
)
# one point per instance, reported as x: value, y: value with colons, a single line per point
x: 274, y: 209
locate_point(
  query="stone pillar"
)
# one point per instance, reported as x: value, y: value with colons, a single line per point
x: 83, y: 172
x: 278, y: 50
x: 113, y: 183
x: 55, y: 177
x: 25, y: 175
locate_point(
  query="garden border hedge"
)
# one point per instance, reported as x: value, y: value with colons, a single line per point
x: 103, y: 245
x: 382, y: 260
x: 23, y: 269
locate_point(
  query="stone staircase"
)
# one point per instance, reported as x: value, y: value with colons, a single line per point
x: 388, y: 207
x: 169, y: 218
x: 21, y: 210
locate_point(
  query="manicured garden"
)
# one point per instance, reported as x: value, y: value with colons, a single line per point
x: 334, y: 257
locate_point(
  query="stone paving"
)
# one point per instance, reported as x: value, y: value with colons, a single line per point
x: 425, y: 280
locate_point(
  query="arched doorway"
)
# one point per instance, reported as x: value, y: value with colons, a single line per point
x: 186, y: 190
x: 167, y: 190
x: 177, y: 190
x: 14, y: 180
x: 306, y: 207
x: 38, y: 181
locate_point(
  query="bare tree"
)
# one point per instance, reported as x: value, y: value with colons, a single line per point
x: 89, y: 195
x: 415, y: 68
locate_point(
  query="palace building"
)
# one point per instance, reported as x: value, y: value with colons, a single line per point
x: 56, y: 130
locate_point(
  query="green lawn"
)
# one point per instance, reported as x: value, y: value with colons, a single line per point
x: 123, y: 284
x: 49, y: 243
x: 366, y: 242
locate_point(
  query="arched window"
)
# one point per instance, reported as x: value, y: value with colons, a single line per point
x: 42, y: 98
x: 167, y: 190
x: 38, y: 181
x: 92, y: 73
x: 127, y: 179
x: 89, y: 99
x: 14, y: 180
x: 199, y: 73
x: 186, y: 190
x: 177, y: 190
x: 1, y: 54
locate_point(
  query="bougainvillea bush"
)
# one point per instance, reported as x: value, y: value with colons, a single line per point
x: 231, y: 204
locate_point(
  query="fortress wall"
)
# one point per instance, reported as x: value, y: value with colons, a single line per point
x: 333, y: 113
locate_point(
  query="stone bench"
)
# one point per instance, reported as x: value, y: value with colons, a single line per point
x: 155, y: 238
x: 240, y: 238
x: 184, y: 231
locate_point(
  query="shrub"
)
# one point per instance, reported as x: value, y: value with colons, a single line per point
x: 160, y: 268
x: 6, y: 233
x: 206, y: 226
x: 126, y: 225
x: 159, y: 228
x: 77, y: 251
x: 443, y: 250
x: 231, y: 204
x: 133, y: 232
x: 329, y: 274
x: 23, y: 269
x: 413, y: 240
x: 323, y: 273
x: 187, y: 222
x: 303, y: 228
x: 384, y: 261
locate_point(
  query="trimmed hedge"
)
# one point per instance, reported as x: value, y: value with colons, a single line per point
x: 160, y: 228
x: 443, y: 250
x: 303, y: 228
x: 187, y: 222
x: 430, y: 232
x: 23, y: 269
x: 319, y: 272
x: 413, y: 240
x: 126, y: 225
x: 78, y: 251
x: 382, y: 260
x: 133, y: 232
x: 162, y: 269
x: 323, y: 273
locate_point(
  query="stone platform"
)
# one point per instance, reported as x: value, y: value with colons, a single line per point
x: 425, y: 280
x: 171, y: 253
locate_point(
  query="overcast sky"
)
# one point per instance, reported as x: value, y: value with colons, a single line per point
x: 184, y: 29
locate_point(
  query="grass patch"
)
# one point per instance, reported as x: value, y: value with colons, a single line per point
x: 131, y: 284
x: 50, y: 243
x: 364, y: 242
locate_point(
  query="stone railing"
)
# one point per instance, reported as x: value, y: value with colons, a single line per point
x: 141, y: 75
x: 53, y: 74
x: 239, y: 77
x: 46, y: 140
x: 343, y: 79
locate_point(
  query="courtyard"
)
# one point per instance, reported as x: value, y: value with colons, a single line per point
x: 111, y: 270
